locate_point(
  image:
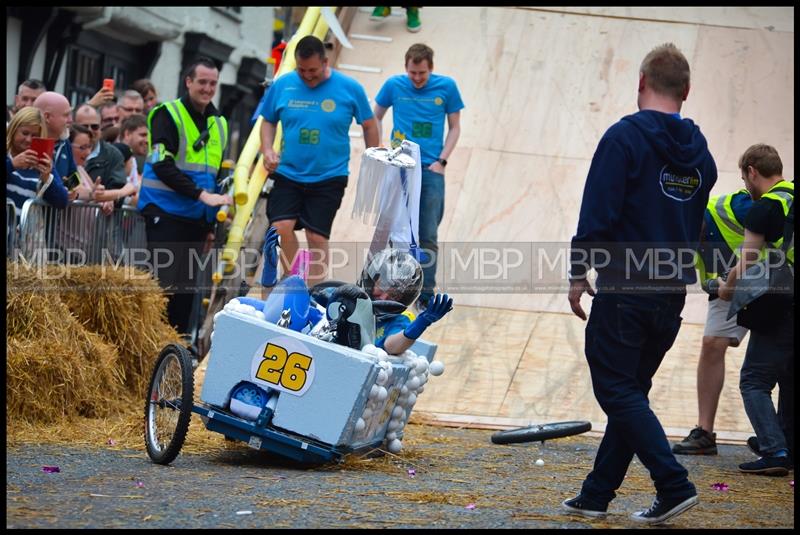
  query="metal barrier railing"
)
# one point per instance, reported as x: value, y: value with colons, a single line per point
x: 11, y: 227
x: 78, y: 234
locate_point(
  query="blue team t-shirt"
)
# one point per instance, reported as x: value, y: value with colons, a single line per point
x: 419, y: 114
x: 390, y: 326
x: 315, y: 145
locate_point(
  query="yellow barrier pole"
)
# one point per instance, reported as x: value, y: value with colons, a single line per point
x: 246, y: 192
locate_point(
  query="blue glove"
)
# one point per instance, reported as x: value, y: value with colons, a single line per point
x: 438, y: 306
x: 269, y: 276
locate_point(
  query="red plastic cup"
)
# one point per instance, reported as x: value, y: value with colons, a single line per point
x: 43, y: 145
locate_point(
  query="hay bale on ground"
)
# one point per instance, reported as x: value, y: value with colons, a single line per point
x: 81, y: 341
x: 128, y: 309
x: 56, y: 369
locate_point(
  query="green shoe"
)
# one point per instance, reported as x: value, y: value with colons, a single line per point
x: 413, y: 23
x: 380, y: 13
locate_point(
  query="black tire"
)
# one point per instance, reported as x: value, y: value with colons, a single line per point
x: 541, y: 432
x: 168, y: 408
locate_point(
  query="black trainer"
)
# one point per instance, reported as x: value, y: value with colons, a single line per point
x: 767, y: 466
x: 579, y: 506
x: 752, y: 443
x: 663, y: 510
x: 699, y: 442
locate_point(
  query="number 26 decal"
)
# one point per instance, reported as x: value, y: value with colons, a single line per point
x: 283, y: 369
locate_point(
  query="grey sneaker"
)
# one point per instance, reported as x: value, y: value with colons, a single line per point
x: 699, y: 442
x: 579, y: 506
x: 663, y: 510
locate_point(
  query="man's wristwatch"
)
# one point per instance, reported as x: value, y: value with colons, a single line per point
x: 442, y: 161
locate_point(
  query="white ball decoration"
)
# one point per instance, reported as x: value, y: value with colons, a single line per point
x: 412, y: 398
x: 403, y: 390
x: 436, y: 367
x: 360, y: 425
x: 367, y: 414
x: 413, y: 384
x: 393, y: 425
x: 398, y: 411
x: 420, y: 390
x: 391, y: 435
x: 373, y: 391
x: 394, y: 446
x: 382, y: 377
x: 369, y: 349
x: 382, y: 393
x: 421, y: 366
x: 382, y: 354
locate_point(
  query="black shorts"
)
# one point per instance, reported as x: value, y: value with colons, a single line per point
x: 313, y: 205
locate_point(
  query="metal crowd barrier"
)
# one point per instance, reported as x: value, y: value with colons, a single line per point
x: 11, y: 227
x: 80, y: 234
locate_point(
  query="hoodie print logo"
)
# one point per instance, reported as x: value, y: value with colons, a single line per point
x: 679, y: 185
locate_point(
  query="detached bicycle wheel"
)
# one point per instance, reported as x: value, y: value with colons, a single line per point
x: 541, y: 432
x: 169, y: 404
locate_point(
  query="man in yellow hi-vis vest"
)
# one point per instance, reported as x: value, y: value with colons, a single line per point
x: 178, y: 196
x: 769, y: 359
x: 720, y: 242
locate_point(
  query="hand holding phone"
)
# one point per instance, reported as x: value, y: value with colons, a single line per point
x: 43, y: 146
x: 108, y: 83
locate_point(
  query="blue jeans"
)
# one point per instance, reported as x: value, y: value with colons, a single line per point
x: 431, y: 210
x: 626, y: 339
x: 769, y: 360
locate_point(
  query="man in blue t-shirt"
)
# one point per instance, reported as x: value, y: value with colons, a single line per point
x: 316, y: 106
x: 421, y: 101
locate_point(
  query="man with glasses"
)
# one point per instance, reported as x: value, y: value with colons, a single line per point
x: 104, y: 162
x: 130, y: 103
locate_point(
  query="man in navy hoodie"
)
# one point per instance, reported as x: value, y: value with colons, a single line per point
x: 639, y: 225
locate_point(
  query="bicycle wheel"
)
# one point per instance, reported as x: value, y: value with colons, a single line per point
x: 169, y: 404
x: 541, y: 432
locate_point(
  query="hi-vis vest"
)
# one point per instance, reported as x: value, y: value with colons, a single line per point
x: 783, y: 192
x: 201, y: 166
x: 711, y: 256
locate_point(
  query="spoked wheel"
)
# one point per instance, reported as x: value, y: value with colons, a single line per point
x: 541, y: 432
x: 169, y: 404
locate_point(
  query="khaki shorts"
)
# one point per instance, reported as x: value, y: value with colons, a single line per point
x: 717, y: 325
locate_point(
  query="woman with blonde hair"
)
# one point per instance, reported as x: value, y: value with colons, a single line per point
x: 28, y: 173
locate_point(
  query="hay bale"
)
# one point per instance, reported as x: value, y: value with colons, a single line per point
x: 55, y: 369
x: 81, y: 341
x: 128, y: 309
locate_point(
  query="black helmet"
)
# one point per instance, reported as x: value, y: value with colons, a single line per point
x: 395, y: 272
x: 349, y: 313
